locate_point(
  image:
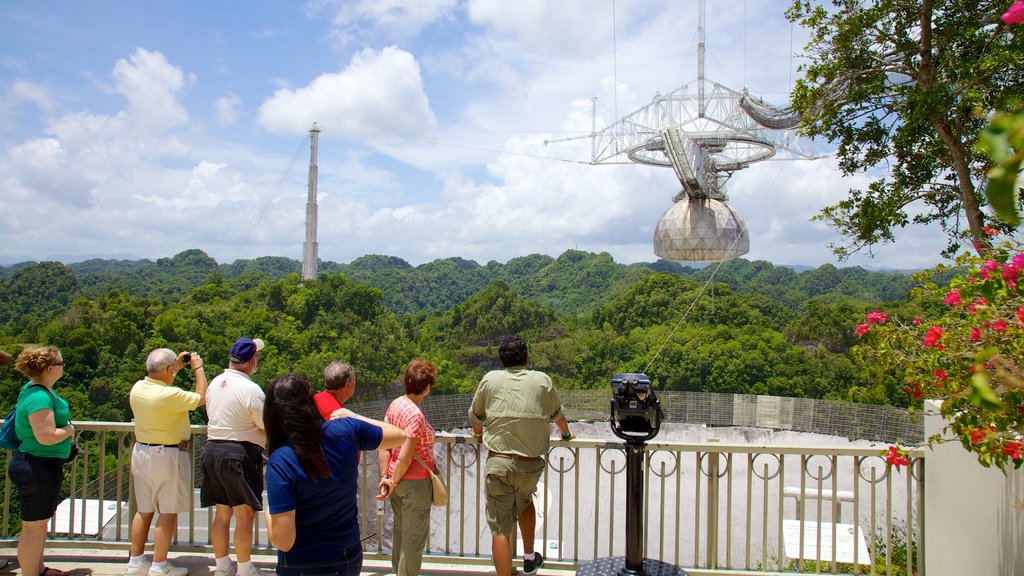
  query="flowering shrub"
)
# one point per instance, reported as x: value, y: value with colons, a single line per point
x: 970, y: 354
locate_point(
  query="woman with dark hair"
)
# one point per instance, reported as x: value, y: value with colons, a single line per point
x: 312, y: 516
x: 402, y: 475
x: 43, y: 425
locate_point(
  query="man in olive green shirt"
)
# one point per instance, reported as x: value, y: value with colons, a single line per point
x: 515, y: 405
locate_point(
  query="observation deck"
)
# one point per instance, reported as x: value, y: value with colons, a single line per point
x: 718, y: 501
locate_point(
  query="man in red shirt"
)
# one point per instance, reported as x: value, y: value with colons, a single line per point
x: 339, y: 384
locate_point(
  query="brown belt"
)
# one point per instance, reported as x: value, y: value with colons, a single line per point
x: 183, y: 445
x: 515, y: 456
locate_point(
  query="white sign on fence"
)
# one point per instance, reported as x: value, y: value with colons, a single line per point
x: 65, y: 523
x: 845, y: 542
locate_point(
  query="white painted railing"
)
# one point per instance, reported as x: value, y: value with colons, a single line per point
x: 710, y: 507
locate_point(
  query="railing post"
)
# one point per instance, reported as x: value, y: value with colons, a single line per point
x: 712, y: 525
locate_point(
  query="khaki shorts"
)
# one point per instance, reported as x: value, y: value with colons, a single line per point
x: 161, y: 477
x: 509, y: 484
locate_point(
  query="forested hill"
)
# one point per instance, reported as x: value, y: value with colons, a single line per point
x: 572, y: 284
x: 757, y: 329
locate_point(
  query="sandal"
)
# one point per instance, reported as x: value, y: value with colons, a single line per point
x: 53, y: 572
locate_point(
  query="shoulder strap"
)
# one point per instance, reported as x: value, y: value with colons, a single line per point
x: 416, y: 455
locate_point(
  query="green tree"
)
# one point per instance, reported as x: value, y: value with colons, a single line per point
x: 899, y: 85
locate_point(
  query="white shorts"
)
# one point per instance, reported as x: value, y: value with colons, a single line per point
x: 162, y: 479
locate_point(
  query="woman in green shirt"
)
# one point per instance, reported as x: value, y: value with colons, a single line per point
x: 44, y: 427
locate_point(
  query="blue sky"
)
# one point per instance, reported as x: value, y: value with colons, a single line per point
x: 141, y: 129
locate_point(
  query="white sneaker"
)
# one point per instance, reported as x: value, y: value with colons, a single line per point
x: 168, y: 570
x: 257, y: 571
x: 140, y: 570
x: 229, y: 572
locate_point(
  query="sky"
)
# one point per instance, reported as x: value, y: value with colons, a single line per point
x: 449, y: 128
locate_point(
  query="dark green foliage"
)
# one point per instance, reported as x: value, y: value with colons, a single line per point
x: 34, y: 293
x: 754, y: 329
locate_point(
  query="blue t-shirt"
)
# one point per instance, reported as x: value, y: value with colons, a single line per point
x: 326, y: 515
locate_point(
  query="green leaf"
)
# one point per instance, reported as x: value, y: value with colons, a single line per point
x: 982, y: 395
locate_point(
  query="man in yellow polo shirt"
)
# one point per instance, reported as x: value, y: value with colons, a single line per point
x: 161, y: 466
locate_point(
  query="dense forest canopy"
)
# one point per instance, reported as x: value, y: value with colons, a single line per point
x: 754, y: 328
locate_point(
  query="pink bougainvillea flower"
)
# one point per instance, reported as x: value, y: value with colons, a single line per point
x: 975, y: 334
x: 931, y: 338
x: 917, y: 319
x: 1010, y: 271
x: 991, y: 231
x: 939, y: 374
x: 876, y: 316
x: 953, y: 297
x: 915, y: 391
x: 1014, y: 14
x: 1020, y: 314
x: 978, y: 434
x: 1018, y: 260
x: 1012, y: 449
x: 896, y: 457
x: 862, y: 329
x: 972, y: 308
x: 999, y: 325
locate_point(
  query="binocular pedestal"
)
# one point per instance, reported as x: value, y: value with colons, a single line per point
x: 636, y: 418
x: 633, y: 563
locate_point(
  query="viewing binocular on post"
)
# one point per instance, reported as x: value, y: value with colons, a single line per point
x: 635, y: 410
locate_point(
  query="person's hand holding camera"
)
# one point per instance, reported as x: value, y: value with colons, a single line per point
x: 191, y: 359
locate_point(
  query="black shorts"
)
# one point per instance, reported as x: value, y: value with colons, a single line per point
x: 232, y: 474
x: 38, y: 480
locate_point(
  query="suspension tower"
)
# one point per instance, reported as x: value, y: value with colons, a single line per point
x: 309, y: 247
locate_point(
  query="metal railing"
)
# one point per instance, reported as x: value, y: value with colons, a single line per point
x: 710, y: 507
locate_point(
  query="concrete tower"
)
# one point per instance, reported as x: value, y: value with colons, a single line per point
x: 309, y: 247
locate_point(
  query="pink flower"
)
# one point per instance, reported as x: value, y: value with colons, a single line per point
x: 1014, y: 14
x: 876, y: 316
x: 896, y: 457
x: 914, y: 390
x: 979, y: 302
x: 862, y: 329
x: 1020, y: 314
x: 917, y: 319
x: 978, y: 434
x: 1018, y: 260
x: 939, y: 374
x: 975, y: 334
x: 931, y: 338
x: 1012, y: 449
x: 990, y: 231
x: 999, y: 325
x: 953, y: 297
x: 1010, y: 271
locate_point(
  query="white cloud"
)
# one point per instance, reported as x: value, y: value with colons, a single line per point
x: 152, y: 87
x: 365, y: 21
x: 226, y: 109
x: 378, y: 92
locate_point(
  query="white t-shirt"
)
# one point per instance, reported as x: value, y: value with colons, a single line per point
x: 234, y: 406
